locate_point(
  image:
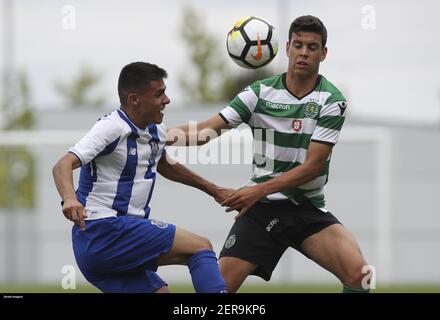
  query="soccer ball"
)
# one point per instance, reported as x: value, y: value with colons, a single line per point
x: 252, y: 42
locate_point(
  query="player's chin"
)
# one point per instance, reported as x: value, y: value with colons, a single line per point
x: 301, y: 68
x: 159, y: 118
x: 303, y: 72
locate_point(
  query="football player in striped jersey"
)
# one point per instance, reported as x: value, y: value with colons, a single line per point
x: 296, y: 118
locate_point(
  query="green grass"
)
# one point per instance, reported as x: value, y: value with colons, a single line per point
x: 266, y: 288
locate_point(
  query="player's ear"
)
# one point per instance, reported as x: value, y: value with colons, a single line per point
x: 133, y: 98
x: 324, y: 54
x: 287, y: 48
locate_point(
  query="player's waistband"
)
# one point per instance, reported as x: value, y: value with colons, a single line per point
x: 93, y: 214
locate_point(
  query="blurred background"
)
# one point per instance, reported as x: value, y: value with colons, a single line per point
x: 60, y: 61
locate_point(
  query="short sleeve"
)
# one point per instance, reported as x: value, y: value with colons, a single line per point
x: 330, y: 121
x: 241, y: 107
x: 105, y: 132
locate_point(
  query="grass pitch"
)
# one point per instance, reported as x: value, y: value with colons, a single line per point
x: 266, y: 288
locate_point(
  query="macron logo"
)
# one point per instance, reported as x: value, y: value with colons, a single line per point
x: 277, y: 106
x: 132, y: 151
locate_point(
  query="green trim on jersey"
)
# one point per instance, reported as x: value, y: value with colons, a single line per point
x: 294, y: 122
x: 336, y: 97
x: 331, y: 122
x: 283, y: 139
x: 280, y: 166
x: 293, y: 111
x: 255, y: 88
x: 241, y: 109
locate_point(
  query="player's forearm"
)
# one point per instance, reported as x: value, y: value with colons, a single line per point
x: 178, y: 136
x: 63, y: 177
x: 197, y: 133
x: 179, y: 173
x: 291, y: 179
x: 189, y: 135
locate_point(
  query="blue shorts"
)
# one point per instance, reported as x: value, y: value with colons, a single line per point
x: 119, y: 254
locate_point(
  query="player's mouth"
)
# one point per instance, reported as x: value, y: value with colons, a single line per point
x: 162, y: 110
x: 302, y: 64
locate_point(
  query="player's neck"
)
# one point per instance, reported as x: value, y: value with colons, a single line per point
x: 137, y: 121
x: 301, y: 86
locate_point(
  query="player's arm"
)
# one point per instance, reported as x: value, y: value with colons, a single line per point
x: 105, y: 132
x: 317, y: 154
x: 246, y: 197
x: 63, y: 176
x: 197, y: 133
x: 238, y: 111
x: 174, y: 171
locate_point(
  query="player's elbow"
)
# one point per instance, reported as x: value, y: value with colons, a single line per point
x: 65, y: 164
x: 162, y: 168
x: 163, y: 171
x: 166, y: 165
x: 314, y: 170
x: 56, y: 169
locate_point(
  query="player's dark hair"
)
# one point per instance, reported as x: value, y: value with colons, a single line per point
x: 309, y: 24
x: 136, y: 76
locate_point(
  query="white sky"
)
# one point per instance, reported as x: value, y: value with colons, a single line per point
x: 391, y: 71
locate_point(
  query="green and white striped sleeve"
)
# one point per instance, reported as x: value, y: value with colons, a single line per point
x: 330, y: 121
x: 241, y: 107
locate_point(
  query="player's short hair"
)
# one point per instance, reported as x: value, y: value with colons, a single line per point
x: 309, y: 24
x: 136, y: 76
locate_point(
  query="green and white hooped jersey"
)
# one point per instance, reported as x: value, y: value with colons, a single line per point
x: 283, y: 126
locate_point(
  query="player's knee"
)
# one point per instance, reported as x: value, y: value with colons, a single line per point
x: 204, y: 244
x: 353, y: 276
x: 199, y: 244
x: 163, y: 289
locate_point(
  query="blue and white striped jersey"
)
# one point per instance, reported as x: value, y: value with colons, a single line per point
x: 119, y: 164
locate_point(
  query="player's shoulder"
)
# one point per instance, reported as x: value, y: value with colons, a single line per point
x: 271, y: 80
x: 334, y: 94
x: 274, y: 82
x: 110, y: 117
x: 110, y: 122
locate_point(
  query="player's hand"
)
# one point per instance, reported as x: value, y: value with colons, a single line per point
x: 243, y: 199
x: 75, y: 212
x: 220, y: 194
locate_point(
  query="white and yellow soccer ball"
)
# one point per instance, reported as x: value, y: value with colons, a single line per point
x: 252, y: 42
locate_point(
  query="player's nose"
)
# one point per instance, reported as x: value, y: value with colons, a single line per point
x: 304, y: 51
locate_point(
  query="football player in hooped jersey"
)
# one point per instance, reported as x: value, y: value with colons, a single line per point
x: 295, y: 119
x: 116, y: 246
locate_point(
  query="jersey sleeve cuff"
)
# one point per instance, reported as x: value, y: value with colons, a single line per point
x: 323, y: 142
x: 224, y: 118
x: 76, y: 154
